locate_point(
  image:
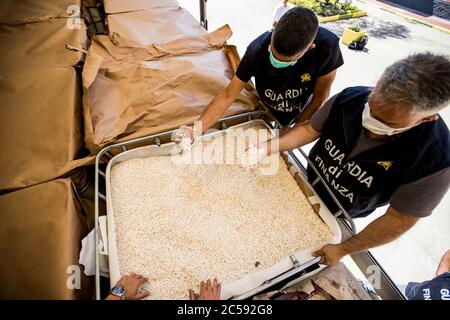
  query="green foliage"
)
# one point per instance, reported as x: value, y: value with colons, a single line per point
x: 326, y: 8
x: 355, y: 28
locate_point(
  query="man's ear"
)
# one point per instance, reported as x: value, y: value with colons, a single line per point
x: 433, y: 117
x: 312, y: 46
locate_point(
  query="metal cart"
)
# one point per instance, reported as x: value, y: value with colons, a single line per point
x: 299, y: 271
x: 364, y: 260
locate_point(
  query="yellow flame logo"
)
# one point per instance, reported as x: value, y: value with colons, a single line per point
x: 385, y: 164
x: 306, y: 77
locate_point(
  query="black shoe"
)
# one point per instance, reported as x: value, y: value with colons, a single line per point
x: 360, y: 44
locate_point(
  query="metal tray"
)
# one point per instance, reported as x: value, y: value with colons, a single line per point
x: 299, y: 265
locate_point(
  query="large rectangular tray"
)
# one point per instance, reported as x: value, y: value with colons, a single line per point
x: 253, y: 283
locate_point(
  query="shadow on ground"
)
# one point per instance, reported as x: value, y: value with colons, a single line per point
x: 376, y: 28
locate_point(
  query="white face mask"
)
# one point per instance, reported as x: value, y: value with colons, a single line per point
x: 378, y: 127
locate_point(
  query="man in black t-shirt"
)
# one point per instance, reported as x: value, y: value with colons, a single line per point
x: 294, y: 66
x: 380, y: 146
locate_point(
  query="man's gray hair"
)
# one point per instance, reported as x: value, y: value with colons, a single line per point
x: 421, y: 81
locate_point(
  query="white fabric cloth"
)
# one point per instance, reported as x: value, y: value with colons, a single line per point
x: 279, y: 11
x: 87, y: 253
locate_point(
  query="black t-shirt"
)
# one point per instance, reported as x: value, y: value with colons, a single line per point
x: 287, y: 90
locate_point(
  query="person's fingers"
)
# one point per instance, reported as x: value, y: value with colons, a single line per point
x: 208, y: 285
x: 142, y: 295
x: 192, y: 294
x: 320, y: 253
x: 142, y: 280
x: 202, y: 286
x: 218, y: 286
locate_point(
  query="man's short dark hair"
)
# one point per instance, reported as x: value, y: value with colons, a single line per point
x: 296, y: 29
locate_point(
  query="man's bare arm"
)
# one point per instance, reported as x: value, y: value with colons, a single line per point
x: 321, y: 93
x: 380, y: 231
x: 221, y: 103
x: 294, y: 138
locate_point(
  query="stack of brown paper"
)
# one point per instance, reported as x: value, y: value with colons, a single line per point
x: 159, y: 25
x: 40, y: 127
x: 120, y: 6
x: 40, y: 240
x: 132, y: 90
x: 26, y: 11
x: 40, y: 45
x: 41, y: 136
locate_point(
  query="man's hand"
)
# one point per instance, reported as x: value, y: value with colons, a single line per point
x: 252, y: 156
x: 380, y: 231
x: 331, y: 254
x: 208, y: 291
x: 131, y: 285
x: 183, y: 133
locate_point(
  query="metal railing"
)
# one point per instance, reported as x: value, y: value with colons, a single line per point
x: 203, y: 14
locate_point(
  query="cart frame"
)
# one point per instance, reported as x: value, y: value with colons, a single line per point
x: 364, y: 260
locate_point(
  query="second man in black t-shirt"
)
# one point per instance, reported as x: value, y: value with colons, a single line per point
x: 294, y: 66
